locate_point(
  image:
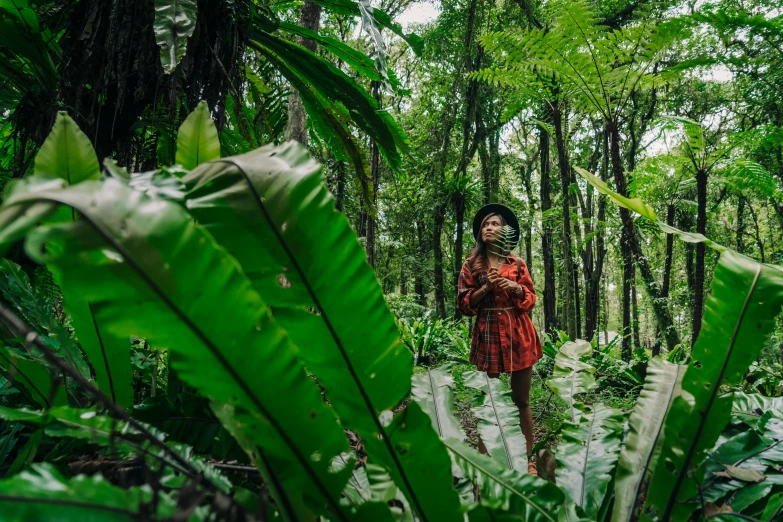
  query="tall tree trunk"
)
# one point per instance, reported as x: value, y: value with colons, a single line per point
x: 593, y: 282
x: 310, y: 18
x: 757, y: 231
x: 740, y: 231
x: 698, y: 279
x: 632, y: 251
x: 375, y: 166
x: 340, y: 196
x: 458, y: 205
x: 595, y: 250
x: 547, y: 246
x: 418, y: 278
x: 635, y: 315
x: 667, y: 271
x: 570, y: 301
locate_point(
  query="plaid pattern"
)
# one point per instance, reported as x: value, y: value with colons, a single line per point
x: 503, y: 341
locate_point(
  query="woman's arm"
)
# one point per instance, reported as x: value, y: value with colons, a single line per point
x: 469, y: 292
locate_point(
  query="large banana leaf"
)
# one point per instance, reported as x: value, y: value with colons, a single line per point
x: 572, y: 376
x: 498, y: 420
x: 433, y: 390
x: 175, y: 21
x: 506, y: 489
x: 68, y: 154
x: 42, y: 493
x: 271, y: 210
x: 111, y: 433
x: 197, y: 139
x: 738, y: 316
x: 645, y: 434
x: 150, y: 271
x: 587, y: 455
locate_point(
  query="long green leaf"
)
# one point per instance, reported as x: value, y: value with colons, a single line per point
x: 357, y: 60
x: 587, y: 455
x: 746, y: 296
x: 433, y: 390
x: 42, y: 493
x: 271, y: 210
x: 638, y: 206
x: 175, y: 21
x: 498, y: 420
x: 572, y: 376
x: 506, y: 489
x: 645, y: 434
x: 327, y: 116
x: 67, y: 153
x: 350, y: 7
x: 137, y: 260
x: 197, y: 139
x: 333, y: 84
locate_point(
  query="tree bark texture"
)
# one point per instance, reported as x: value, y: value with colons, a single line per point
x: 570, y: 301
x: 547, y: 247
x: 698, y: 279
x: 310, y: 18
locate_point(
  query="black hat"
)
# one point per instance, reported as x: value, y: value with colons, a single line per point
x: 503, y: 211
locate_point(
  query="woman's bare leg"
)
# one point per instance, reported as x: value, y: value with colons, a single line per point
x: 520, y: 393
x: 483, y: 449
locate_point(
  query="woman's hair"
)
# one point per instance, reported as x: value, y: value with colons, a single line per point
x: 477, y: 258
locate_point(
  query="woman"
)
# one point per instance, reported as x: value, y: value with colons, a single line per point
x: 496, y: 286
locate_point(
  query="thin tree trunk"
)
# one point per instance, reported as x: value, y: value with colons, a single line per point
x: 570, y: 301
x: 547, y: 247
x: 701, y: 228
x: 632, y: 251
x: 740, y: 233
x: 375, y: 166
x: 418, y: 278
x: 759, y: 241
x: 310, y: 18
x: 635, y: 311
x: 667, y: 271
x: 340, y: 196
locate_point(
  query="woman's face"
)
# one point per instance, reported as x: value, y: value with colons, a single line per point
x: 491, y: 228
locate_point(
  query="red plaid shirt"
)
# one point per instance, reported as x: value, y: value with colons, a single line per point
x: 504, y: 341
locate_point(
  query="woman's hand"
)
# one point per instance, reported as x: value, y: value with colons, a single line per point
x: 492, y: 276
x: 513, y: 286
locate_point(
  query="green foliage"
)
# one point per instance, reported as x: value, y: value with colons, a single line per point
x: 284, y: 299
x: 498, y: 421
x: 587, y: 457
x: 644, y: 438
x: 37, y: 493
x: 175, y: 21
x: 197, y: 139
x: 67, y: 153
x: 251, y: 214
